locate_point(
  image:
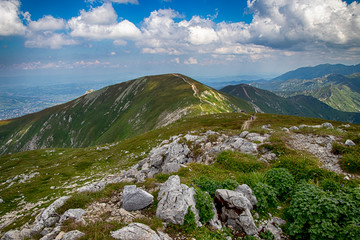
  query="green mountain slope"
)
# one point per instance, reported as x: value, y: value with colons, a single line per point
x: 299, y: 105
x: 115, y: 112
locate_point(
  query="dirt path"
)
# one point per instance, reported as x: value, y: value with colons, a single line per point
x: 194, y: 88
x: 246, y: 124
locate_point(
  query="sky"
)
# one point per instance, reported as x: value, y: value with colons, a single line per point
x: 97, y: 40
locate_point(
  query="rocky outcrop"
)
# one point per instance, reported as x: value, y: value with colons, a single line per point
x: 75, y: 214
x: 247, y: 192
x: 134, y: 198
x: 138, y: 231
x: 234, y: 209
x: 48, y: 217
x: 174, y: 200
x: 12, y: 235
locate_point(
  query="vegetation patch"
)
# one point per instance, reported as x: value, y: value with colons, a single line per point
x: 239, y: 162
x: 281, y: 180
x: 204, y: 204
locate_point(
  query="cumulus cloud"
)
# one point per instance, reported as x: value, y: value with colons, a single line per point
x: 125, y: 1
x: 49, y: 40
x: 101, y: 23
x: 284, y: 24
x: 10, y: 23
x: 48, y: 23
x: 191, y: 60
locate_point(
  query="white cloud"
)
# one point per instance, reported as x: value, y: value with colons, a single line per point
x: 101, y: 23
x: 48, y: 23
x: 176, y: 60
x: 125, y: 1
x: 199, y: 35
x: 48, y: 40
x: 191, y: 60
x: 10, y: 23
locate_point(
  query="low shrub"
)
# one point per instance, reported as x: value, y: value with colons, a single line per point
x: 318, y: 214
x: 350, y: 162
x: 239, y: 162
x: 204, y: 204
x: 210, y: 186
x: 267, y: 235
x: 266, y: 196
x: 189, y: 225
x: 281, y: 180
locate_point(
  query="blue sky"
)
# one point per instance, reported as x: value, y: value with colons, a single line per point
x: 102, y: 40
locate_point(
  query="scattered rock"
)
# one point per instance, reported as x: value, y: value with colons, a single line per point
x: 73, y: 235
x: 255, y: 137
x: 246, y: 190
x: 93, y: 187
x: 138, y: 231
x: 174, y: 200
x: 234, y: 209
x: 294, y: 128
x: 52, y: 235
x: 75, y: 214
x: 285, y: 129
x: 12, y: 235
x: 1, y: 200
x: 327, y: 125
x: 303, y: 126
x: 49, y: 216
x: 349, y: 142
x: 134, y: 198
x: 243, y: 134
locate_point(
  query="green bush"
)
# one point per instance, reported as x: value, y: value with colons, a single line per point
x: 210, y: 186
x: 266, y: 196
x: 189, y: 225
x: 302, y: 167
x: 329, y: 184
x: 204, y: 204
x: 267, y: 235
x: 350, y: 162
x: 281, y: 180
x: 239, y: 162
x: 318, y: 214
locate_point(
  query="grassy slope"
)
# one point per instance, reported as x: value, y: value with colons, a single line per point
x: 62, y: 168
x: 113, y: 113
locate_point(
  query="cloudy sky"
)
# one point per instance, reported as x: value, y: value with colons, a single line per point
x: 92, y: 39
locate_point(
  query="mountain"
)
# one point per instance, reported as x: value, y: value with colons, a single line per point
x: 338, y: 91
x: 299, y: 105
x: 318, y: 71
x: 115, y: 112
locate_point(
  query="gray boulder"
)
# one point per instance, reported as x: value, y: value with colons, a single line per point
x: 235, y: 210
x: 138, y: 231
x: 134, y: 198
x: 1, y: 200
x: 293, y: 128
x: 93, y: 187
x: 73, y: 235
x: 12, y: 235
x: 246, y: 190
x: 255, y: 137
x: 327, y: 125
x: 75, y: 214
x: 52, y: 235
x: 174, y: 200
x: 349, y: 142
x: 243, y: 134
x: 48, y: 217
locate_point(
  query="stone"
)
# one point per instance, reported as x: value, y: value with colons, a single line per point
x: 246, y: 190
x: 246, y: 222
x: 134, y: 198
x: 278, y: 221
x: 12, y: 235
x: 52, y: 235
x: 303, y: 126
x: 327, y: 125
x: 75, y: 214
x: 48, y: 217
x: 73, y: 235
x: 215, y: 222
x: 1, y: 200
x: 349, y: 142
x: 46, y: 231
x: 276, y: 232
x: 294, y: 128
x: 234, y: 208
x: 137, y: 231
x: 243, y: 134
x: 93, y: 187
x: 285, y: 129
x: 164, y: 236
x: 174, y: 199
x: 255, y: 137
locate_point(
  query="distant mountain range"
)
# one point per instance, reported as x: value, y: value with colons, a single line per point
x: 116, y: 112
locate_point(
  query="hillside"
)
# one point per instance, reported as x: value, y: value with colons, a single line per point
x: 115, y: 112
x: 208, y: 153
x: 298, y: 105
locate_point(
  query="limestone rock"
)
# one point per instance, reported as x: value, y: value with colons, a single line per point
x: 75, y: 214
x: 294, y: 128
x: 243, y: 134
x: 246, y: 190
x: 232, y: 199
x: 349, y: 142
x: 1, y: 200
x: 255, y: 137
x: 12, y: 235
x: 93, y: 187
x: 174, y: 200
x: 138, y: 231
x: 134, y: 198
x: 73, y: 235
x: 52, y: 235
x: 246, y: 222
x: 49, y: 216
x: 327, y: 125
